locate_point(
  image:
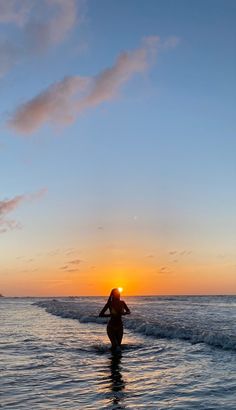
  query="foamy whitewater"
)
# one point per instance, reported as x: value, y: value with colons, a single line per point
x: 178, y: 353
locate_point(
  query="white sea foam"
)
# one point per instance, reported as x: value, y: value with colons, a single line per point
x: 50, y: 363
x: 203, y: 320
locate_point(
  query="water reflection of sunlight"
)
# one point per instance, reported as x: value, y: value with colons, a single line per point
x: 117, y: 382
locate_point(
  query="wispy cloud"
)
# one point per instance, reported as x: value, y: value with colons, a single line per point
x: 64, y: 101
x: 15, y: 11
x: 41, y: 33
x: 8, y: 225
x: 164, y: 270
x: 69, y: 269
x: 71, y: 266
x: 9, y: 205
x: 37, y: 195
x: 180, y: 253
x: 39, y: 25
x: 10, y: 55
x: 170, y: 42
x: 55, y: 104
x: 75, y: 262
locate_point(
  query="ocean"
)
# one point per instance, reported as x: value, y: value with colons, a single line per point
x: 178, y: 353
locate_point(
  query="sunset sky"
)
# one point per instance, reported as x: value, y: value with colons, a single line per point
x: 117, y: 147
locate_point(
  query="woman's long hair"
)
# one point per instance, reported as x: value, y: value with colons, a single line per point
x: 111, y: 297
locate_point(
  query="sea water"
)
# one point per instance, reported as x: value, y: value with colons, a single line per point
x: 178, y: 353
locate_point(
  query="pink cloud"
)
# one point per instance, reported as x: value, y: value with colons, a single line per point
x: 10, y: 55
x: 107, y: 84
x: 62, y: 102
x: 41, y: 34
x: 6, y: 206
x: 64, y: 19
x: 37, y: 195
x: 40, y: 24
x: 8, y: 225
x: 9, y: 205
x: 15, y: 11
x: 54, y: 104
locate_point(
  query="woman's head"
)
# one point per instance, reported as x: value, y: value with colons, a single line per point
x: 114, y: 295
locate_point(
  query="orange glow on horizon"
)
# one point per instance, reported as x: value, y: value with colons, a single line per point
x: 97, y: 275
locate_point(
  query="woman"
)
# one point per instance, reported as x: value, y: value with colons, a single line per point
x: 117, y: 308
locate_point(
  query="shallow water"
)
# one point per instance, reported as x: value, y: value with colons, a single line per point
x: 50, y: 362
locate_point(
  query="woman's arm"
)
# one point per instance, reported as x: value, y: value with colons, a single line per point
x: 102, y: 313
x: 126, y: 310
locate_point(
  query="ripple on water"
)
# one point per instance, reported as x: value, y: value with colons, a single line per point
x: 52, y: 363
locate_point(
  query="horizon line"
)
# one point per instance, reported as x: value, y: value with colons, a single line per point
x: 141, y: 295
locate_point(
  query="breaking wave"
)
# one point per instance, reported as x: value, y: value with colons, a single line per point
x: 161, y: 328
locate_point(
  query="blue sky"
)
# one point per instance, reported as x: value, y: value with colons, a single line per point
x: 150, y: 169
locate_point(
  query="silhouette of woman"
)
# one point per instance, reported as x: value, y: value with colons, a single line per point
x: 117, y: 309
